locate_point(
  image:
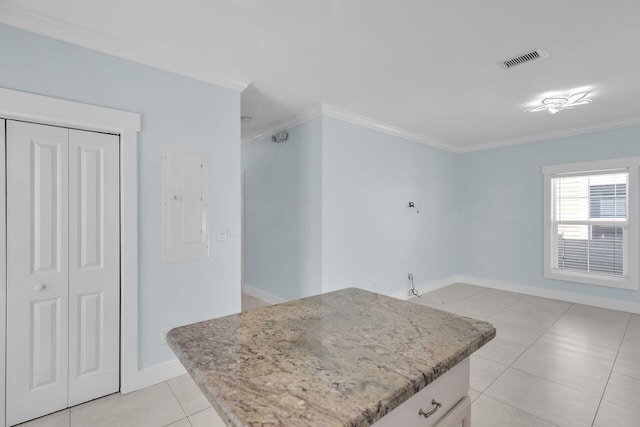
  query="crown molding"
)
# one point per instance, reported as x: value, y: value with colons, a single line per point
x: 580, y: 130
x: 327, y: 110
x: 38, y: 23
x: 357, y: 119
x: 270, y: 129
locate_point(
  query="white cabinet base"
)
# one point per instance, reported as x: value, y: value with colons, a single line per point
x: 445, y: 401
x: 459, y: 416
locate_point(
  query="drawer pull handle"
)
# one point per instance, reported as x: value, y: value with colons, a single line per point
x: 437, y: 406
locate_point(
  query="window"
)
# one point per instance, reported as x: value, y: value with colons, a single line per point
x: 591, y: 222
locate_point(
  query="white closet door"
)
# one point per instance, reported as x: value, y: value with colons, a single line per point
x: 37, y: 270
x: 63, y: 287
x: 94, y: 266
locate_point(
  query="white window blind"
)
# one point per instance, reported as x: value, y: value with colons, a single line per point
x: 592, y: 222
x: 589, y: 222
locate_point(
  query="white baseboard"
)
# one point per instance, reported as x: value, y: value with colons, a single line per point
x: 165, y: 371
x: 426, y: 287
x: 155, y: 375
x: 602, y: 302
x: 260, y: 294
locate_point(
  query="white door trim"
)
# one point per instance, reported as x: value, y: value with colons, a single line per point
x: 3, y: 273
x: 46, y: 110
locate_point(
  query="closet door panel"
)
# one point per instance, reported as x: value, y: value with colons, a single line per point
x: 37, y: 270
x: 94, y: 265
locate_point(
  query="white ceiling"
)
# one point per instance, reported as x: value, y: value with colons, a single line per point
x: 427, y: 69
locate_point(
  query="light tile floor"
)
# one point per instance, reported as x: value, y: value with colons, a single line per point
x: 552, y: 363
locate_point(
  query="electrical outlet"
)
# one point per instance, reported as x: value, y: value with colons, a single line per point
x: 222, y: 235
x: 163, y: 335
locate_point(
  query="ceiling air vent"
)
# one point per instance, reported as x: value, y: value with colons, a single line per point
x: 521, y: 59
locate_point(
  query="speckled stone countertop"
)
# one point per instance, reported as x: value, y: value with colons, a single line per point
x: 344, y: 358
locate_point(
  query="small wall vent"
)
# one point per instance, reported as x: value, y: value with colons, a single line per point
x: 521, y: 59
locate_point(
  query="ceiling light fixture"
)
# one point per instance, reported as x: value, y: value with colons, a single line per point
x: 245, y: 119
x: 553, y: 104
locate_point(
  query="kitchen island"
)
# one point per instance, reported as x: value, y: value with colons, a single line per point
x: 345, y: 358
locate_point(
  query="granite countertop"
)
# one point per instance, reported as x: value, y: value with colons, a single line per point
x: 344, y: 358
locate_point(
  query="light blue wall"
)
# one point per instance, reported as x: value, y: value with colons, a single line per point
x: 480, y: 213
x: 501, y: 191
x: 371, y: 238
x: 175, y: 110
x: 282, y: 213
x: 328, y: 209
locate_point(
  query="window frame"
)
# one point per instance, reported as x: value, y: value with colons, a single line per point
x: 630, y: 281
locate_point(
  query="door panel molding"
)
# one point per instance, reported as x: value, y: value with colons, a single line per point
x: 3, y: 272
x: 45, y: 359
x: 90, y: 349
x: 92, y: 218
x: 48, y: 162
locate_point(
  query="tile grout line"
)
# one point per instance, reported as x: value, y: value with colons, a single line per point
x: 517, y: 358
x: 555, y: 382
x: 560, y: 384
x: 503, y: 372
x: 467, y: 297
x: 200, y: 411
x: 179, y: 404
x: 539, y: 336
x: 611, y: 371
x: 564, y: 385
x: 521, y: 410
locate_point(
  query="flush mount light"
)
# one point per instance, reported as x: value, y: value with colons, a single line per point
x: 245, y: 119
x: 553, y: 104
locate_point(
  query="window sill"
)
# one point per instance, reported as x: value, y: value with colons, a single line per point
x: 593, y: 279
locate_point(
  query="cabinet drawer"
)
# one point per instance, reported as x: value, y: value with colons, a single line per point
x: 448, y: 390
